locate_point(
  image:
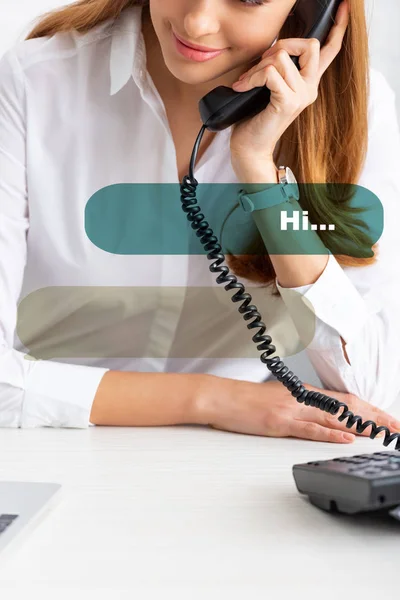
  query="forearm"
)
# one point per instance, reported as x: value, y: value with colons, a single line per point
x: 298, y: 256
x: 149, y: 399
x: 293, y: 270
x: 298, y: 259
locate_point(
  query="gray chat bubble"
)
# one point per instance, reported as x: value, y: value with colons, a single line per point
x: 95, y: 321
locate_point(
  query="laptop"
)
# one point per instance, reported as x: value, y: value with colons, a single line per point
x: 21, y: 506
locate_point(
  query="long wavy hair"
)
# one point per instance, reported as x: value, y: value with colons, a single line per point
x: 320, y: 150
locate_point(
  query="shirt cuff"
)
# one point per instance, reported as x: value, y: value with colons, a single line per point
x: 60, y: 395
x: 332, y: 300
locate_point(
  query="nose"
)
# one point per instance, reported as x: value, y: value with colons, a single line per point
x: 202, y: 20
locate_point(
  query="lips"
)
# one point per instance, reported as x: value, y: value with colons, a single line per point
x: 191, y: 53
x: 196, y: 46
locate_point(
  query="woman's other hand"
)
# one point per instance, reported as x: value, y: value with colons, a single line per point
x: 269, y: 409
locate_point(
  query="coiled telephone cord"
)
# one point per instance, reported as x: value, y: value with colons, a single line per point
x: 250, y: 311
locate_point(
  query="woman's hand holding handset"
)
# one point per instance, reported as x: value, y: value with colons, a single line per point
x: 253, y: 140
x: 269, y: 409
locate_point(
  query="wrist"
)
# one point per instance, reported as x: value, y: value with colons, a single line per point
x: 256, y: 173
x: 209, y: 397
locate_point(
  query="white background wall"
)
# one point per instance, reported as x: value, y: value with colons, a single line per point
x: 383, y: 18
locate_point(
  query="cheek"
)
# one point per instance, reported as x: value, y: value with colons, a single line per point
x: 253, y: 42
x: 165, y: 10
x: 157, y: 13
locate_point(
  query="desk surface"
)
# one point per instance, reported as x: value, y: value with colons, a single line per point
x: 187, y: 513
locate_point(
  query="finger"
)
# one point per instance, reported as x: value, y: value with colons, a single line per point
x: 298, y: 46
x: 325, y: 419
x: 335, y: 37
x: 293, y: 46
x: 313, y: 431
x: 365, y: 410
x: 332, y: 422
x: 309, y: 61
x: 285, y: 67
x: 268, y: 76
x: 373, y: 413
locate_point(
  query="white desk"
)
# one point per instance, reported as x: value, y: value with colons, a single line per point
x: 187, y: 513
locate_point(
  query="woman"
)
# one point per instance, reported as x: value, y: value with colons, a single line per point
x: 102, y: 95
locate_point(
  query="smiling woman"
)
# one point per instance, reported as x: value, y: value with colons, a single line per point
x: 101, y: 98
x: 319, y: 150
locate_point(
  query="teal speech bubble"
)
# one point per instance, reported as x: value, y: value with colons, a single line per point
x: 147, y: 219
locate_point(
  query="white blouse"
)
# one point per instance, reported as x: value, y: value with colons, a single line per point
x: 79, y: 113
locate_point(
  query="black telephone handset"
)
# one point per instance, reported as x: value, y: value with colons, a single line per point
x: 223, y: 106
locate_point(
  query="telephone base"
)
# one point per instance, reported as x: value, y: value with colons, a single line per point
x: 340, y: 507
x: 364, y: 483
x: 335, y: 506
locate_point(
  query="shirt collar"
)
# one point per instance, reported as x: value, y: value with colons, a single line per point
x: 128, y: 50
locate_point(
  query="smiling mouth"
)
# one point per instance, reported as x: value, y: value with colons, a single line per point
x: 196, y: 46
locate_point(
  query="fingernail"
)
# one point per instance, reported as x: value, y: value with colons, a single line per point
x: 242, y: 75
x: 237, y: 84
x: 348, y: 437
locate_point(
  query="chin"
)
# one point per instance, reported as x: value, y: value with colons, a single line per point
x: 191, y: 80
x: 193, y: 74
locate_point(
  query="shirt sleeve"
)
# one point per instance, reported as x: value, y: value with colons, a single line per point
x: 360, y: 304
x: 32, y: 393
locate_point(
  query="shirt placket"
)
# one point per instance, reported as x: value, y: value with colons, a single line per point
x: 171, y: 289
